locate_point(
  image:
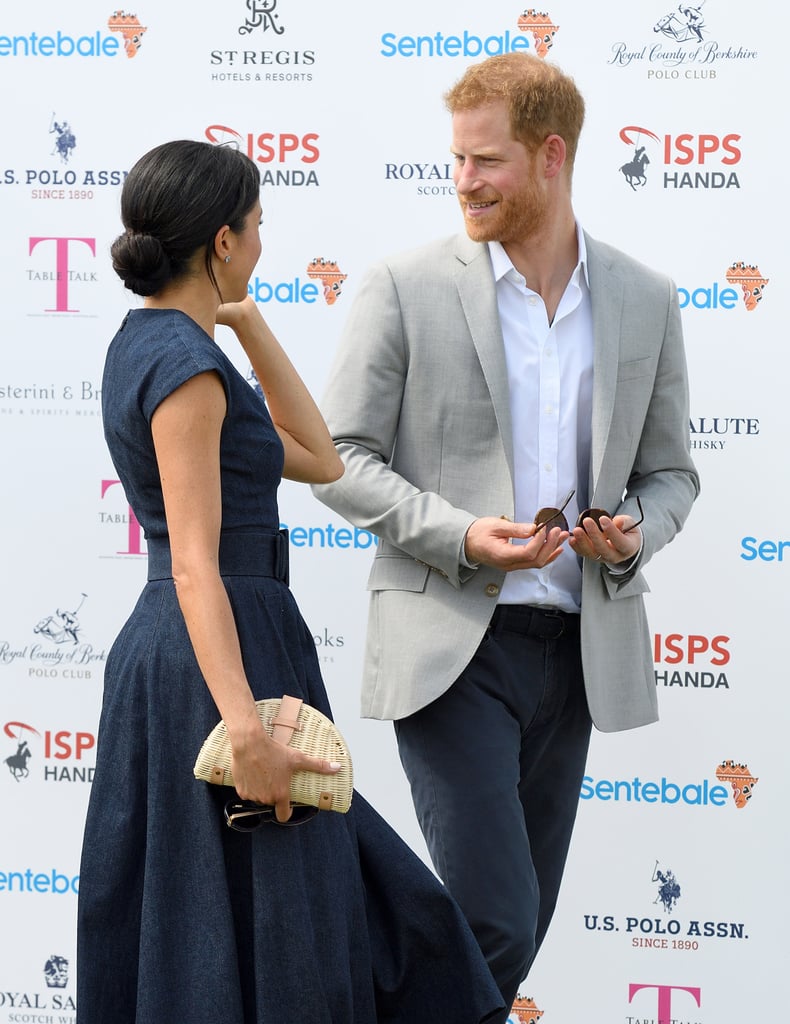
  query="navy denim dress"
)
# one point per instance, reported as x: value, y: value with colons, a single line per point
x: 182, y: 920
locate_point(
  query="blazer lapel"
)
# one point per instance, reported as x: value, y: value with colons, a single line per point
x: 477, y: 292
x: 606, y: 295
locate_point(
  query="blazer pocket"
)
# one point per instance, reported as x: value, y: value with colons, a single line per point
x: 634, y: 368
x: 398, y: 572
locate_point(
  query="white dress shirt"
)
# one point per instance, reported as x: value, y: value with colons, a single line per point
x: 550, y: 374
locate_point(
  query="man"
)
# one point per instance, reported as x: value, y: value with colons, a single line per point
x: 480, y: 379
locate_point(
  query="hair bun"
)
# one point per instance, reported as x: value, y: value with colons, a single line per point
x: 140, y: 262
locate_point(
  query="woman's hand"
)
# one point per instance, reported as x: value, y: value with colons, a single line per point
x: 262, y: 770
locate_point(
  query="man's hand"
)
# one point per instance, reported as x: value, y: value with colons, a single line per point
x: 490, y: 541
x: 607, y: 543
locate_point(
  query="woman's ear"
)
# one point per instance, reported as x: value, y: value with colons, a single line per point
x: 222, y: 243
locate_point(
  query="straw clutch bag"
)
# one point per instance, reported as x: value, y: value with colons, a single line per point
x: 293, y: 723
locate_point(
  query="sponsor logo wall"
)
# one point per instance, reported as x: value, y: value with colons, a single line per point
x: 681, y: 843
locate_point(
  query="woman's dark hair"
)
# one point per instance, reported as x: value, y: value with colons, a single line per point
x: 173, y: 202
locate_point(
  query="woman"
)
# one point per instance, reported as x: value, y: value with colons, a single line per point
x: 183, y: 920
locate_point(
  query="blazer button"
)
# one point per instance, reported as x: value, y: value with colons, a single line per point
x: 492, y: 590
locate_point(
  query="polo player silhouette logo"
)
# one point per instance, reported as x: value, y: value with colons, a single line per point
x: 525, y: 1011
x: 634, y: 170
x: 62, y: 627
x: 262, y: 16
x: 668, y: 889
x: 750, y: 279
x: 542, y: 29
x: 56, y: 972
x: 741, y: 780
x: 330, y: 276
x: 685, y: 26
x: 17, y: 763
x: 65, y: 141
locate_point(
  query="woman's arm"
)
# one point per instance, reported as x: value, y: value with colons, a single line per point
x: 310, y: 455
x: 186, y: 431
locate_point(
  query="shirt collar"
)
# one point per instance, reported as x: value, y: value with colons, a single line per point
x: 502, y: 265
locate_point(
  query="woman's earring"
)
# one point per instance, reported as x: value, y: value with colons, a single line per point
x: 227, y: 259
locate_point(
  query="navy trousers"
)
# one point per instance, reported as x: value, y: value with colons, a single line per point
x: 495, y: 766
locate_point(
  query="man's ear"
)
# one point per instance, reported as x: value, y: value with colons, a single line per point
x: 553, y: 153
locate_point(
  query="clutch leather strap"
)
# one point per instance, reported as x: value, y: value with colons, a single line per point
x: 284, y: 726
x: 287, y: 721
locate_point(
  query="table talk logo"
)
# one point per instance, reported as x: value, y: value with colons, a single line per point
x: 533, y: 31
x: 277, y: 152
x: 690, y: 161
x: 61, y: 272
x: 694, y: 661
x: 524, y: 1011
x: 52, y: 996
x: 271, y: 61
x: 668, y: 1004
x: 117, y: 516
x: 62, y: 751
x: 129, y: 29
x: 659, y: 927
x: 681, y: 45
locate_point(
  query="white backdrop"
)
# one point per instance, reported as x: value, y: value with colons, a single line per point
x: 674, y: 901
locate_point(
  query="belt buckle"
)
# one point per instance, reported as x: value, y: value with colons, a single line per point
x: 559, y: 618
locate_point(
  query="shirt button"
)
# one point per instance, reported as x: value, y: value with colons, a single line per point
x: 533, y: 300
x: 492, y: 590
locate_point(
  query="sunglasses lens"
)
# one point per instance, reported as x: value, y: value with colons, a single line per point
x: 550, y: 518
x: 592, y: 513
x: 248, y: 817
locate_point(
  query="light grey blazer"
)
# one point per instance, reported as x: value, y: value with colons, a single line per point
x: 418, y: 405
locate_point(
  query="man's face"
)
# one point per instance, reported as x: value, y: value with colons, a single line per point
x: 500, y: 193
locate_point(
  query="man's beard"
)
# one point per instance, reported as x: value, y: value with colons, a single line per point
x: 516, y: 219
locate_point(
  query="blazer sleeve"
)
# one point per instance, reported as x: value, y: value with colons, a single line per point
x: 373, y: 375
x: 663, y: 474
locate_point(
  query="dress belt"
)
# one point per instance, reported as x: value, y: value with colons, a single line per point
x: 530, y: 620
x: 240, y: 554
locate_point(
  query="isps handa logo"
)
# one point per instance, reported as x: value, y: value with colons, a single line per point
x: 287, y: 158
x: 689, y: 160
x: 62, y: 751
x: 533, y: 30
x: 657, y: 925
x: 691, y: 661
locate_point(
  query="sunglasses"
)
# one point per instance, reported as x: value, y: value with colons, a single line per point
x: 551, y: 517
x: 245, y: 816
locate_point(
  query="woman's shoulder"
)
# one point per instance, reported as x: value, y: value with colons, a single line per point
x: 157, y: 350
